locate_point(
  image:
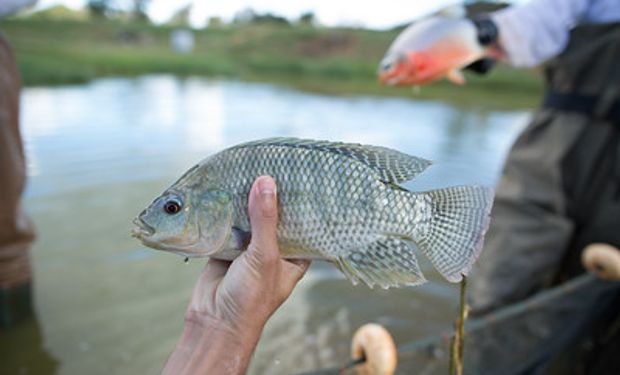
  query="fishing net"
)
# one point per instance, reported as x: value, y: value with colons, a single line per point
x: 526, y: 337
x: 540, y: 335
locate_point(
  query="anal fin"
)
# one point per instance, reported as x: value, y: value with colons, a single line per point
x: 387, y: 262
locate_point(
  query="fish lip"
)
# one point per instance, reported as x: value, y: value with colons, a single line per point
x: 143, y: 232
x: 184, y: 251
x: 141, y: 229
x: 391, y: 79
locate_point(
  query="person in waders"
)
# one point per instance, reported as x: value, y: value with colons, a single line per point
x: 560, y: 186
x: 16, y: 230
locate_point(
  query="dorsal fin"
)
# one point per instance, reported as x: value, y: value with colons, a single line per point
x: 391, y: 165
x: 457, y: 10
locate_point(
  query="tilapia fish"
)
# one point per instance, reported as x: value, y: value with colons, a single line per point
x: 430, y: 49
x: 338, y: 202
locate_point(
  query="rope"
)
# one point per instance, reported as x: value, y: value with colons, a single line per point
x: 505, y: 313
x: 409, y: 349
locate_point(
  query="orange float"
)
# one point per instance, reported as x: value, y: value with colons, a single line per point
x: 375, y: 344
x: 603, y: 260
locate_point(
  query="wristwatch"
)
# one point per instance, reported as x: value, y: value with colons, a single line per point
x: 487, y: 36
x: 487, y: 30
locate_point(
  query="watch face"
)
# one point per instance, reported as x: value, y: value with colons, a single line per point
x: 487, y: 30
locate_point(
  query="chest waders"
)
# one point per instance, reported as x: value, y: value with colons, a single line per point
x: 16, y: 230
x: 560, y: 191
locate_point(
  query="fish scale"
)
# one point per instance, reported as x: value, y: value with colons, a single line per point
x: 278, y: 161
x: 337, y: 202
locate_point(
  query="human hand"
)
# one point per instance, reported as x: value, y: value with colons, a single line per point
x: 437, y: 47
x: 243, y: 294
x: 232, y: 301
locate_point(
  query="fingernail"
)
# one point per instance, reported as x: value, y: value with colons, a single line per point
x: 267, y: 190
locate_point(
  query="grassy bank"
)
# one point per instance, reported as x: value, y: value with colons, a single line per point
x: 329, y: 60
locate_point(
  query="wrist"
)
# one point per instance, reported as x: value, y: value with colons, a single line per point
x: 486, y: 29
x: 487, y: 34
x: 212, y: 347
x: 198, y: 323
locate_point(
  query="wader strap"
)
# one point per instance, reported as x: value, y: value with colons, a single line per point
x: 595, y: 106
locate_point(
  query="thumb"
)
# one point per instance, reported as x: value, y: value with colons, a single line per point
x: 263, y: 210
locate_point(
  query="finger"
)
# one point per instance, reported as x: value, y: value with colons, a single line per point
x: 263, y: 210
x: 301, y: 264
x: 214, y: 271
x: 206, y: 285
x: 293, y: 270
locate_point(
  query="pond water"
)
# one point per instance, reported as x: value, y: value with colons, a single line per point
x: 97, y: 153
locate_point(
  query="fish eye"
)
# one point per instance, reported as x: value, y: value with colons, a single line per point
x: 172, y: 206
x: 388, y: 65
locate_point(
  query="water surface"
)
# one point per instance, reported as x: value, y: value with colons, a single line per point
x: 98, y: 153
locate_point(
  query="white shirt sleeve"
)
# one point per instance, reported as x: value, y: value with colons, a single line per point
x: 8, y: 7
x: 535, y: 31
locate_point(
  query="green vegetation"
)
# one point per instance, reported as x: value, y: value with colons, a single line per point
x: 329, y: 60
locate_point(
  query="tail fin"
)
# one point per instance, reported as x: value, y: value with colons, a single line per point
x: 455, y: 233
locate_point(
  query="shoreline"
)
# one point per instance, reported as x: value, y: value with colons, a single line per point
x: 334, y: 61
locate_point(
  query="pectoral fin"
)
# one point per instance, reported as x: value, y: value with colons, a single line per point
x: 456, y: 76
x: 237, y: 243
x: 387, y: 262
x: 240, y: 239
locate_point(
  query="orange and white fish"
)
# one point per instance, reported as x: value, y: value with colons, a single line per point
x: 430, y: 49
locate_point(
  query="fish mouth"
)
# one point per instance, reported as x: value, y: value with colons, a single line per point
x: 141, y: 229
x: 144, y: 232
x: 391, y: 78
x: 396, y: 75
x: 394, y: 69
x: 385, y: 78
